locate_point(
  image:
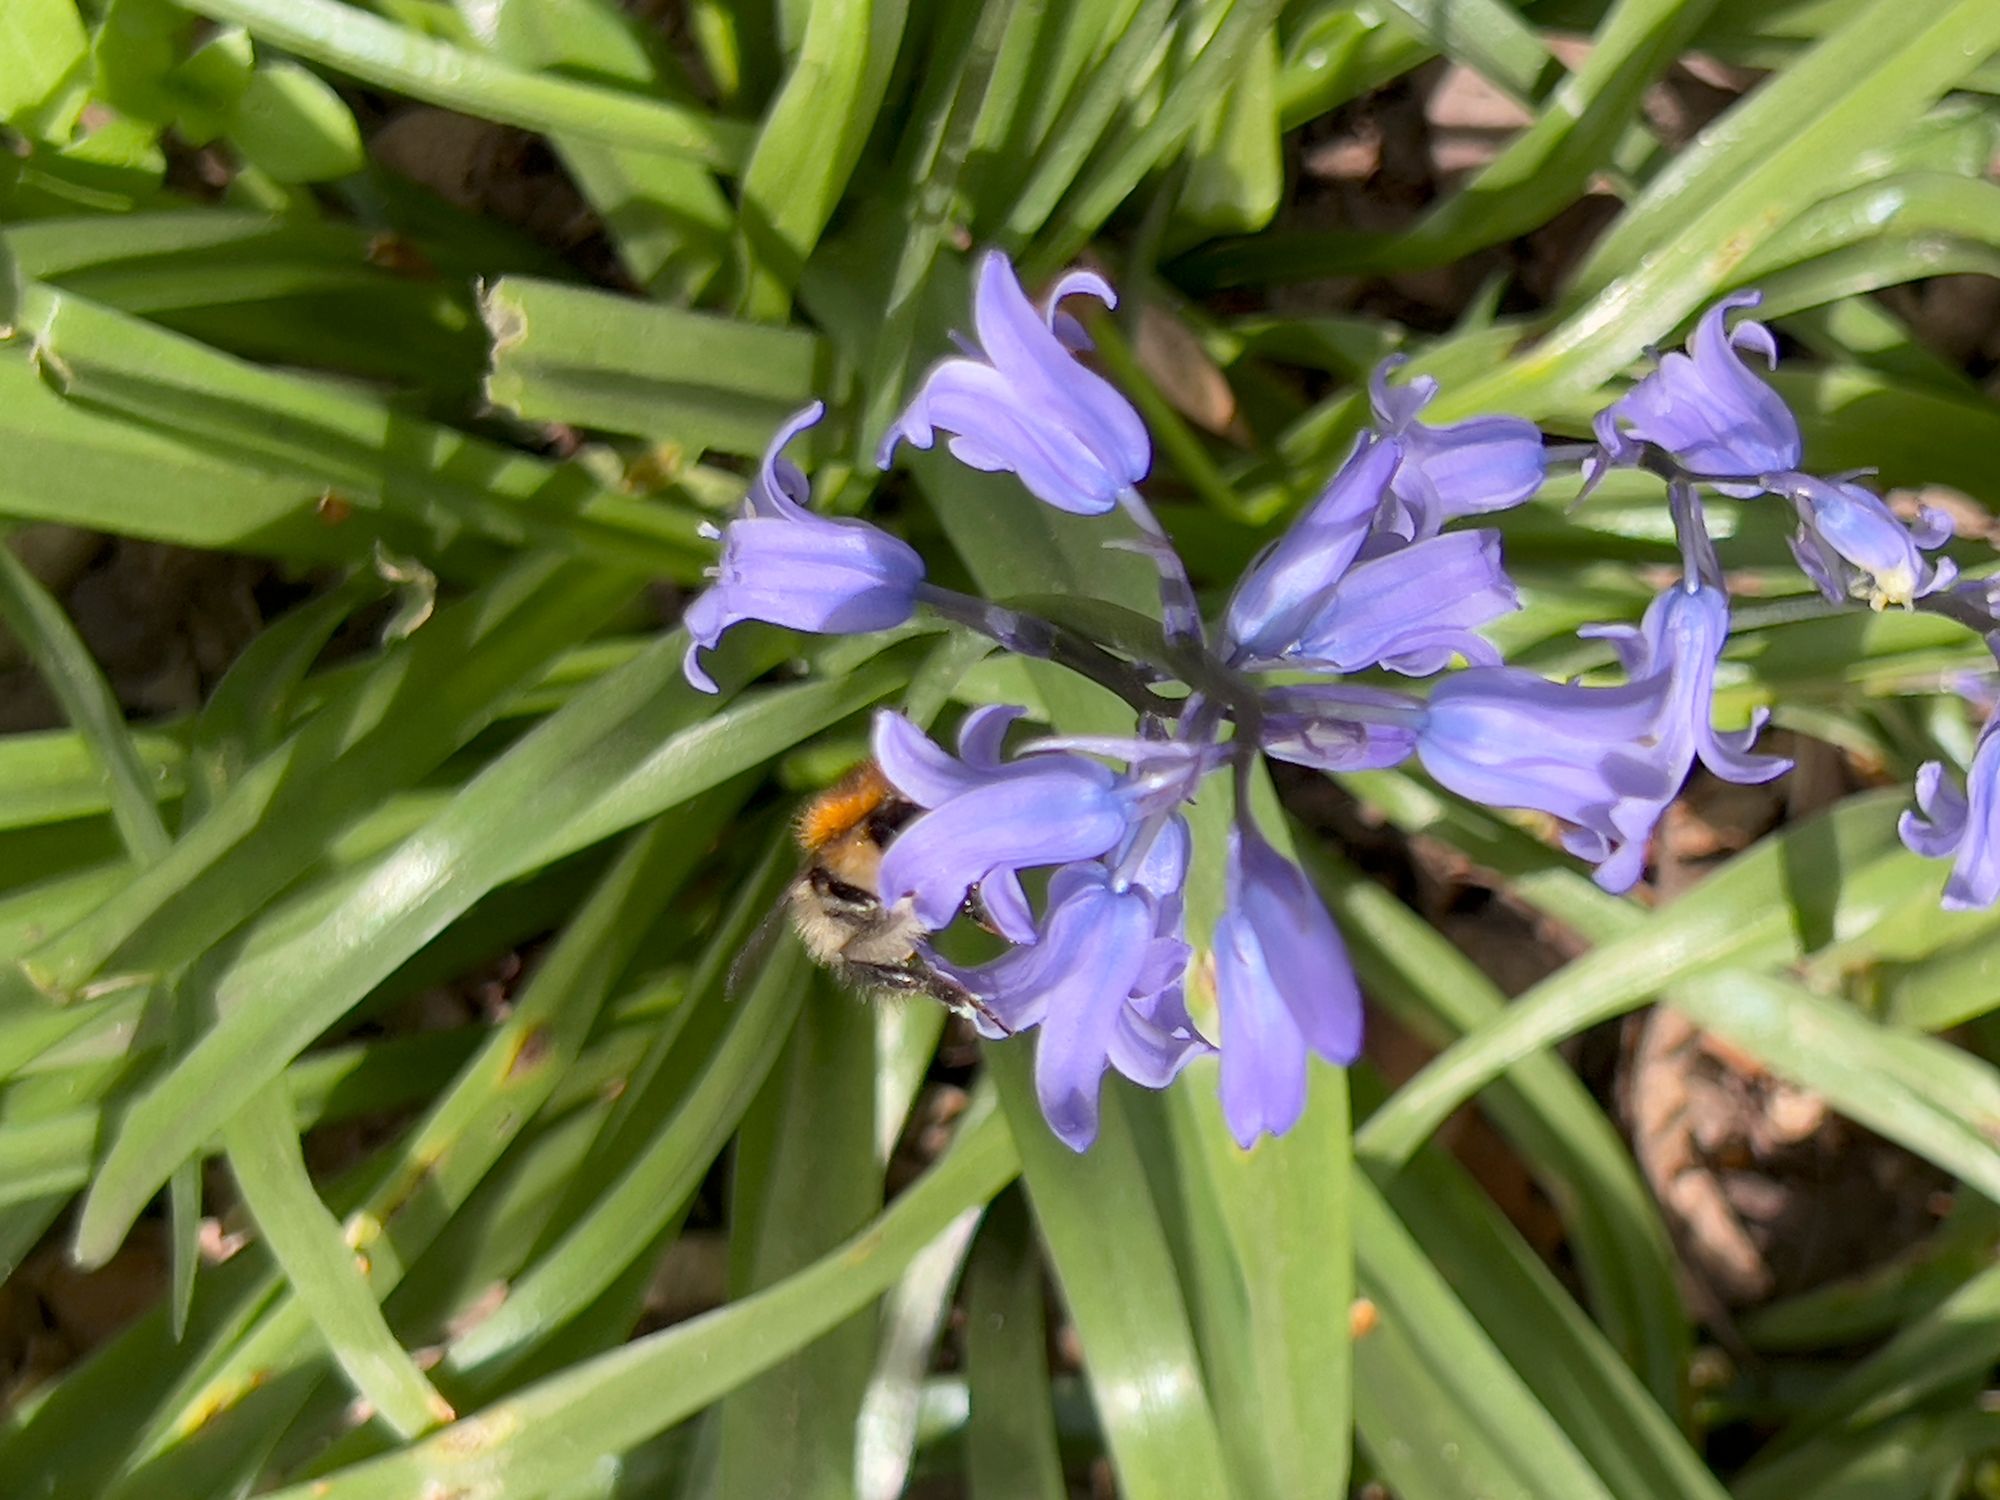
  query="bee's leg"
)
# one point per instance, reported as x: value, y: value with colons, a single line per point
x: 914, y: 979
x: 974, y: 907
x: 957, y: 997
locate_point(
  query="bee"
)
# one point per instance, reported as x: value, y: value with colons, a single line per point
x: 837, y: 909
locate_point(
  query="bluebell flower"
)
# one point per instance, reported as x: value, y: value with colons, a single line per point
x: 988, y: 819
x: 1718, y: 420
x: 1103, y: 981
x: 1410, y: 607
x: 1470, y: 468
x: 1963, y: 826
x: 1025, y: 406
x: 1284, y: 988
x: 1851, y: 544
x: 1605, y: 760
x: 1336, y: 726
x: 1280, y: 591
x: 786, y: 566
x: 1336, y: 594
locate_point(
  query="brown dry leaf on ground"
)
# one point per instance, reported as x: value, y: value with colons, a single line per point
x: 1766, y: 1191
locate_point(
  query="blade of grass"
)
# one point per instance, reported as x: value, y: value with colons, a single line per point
x: 614, y: 754
x: 64, y: 662
x: 1010, y: 1436
x: 1616, y: 1235
x: 1778, y: 899
x: 1122, y: 1292
x: 1440, y: 1412
x: 394, y: 57
x: 520, y: 1447
x: 804, y: 1178
x: 593, y: 1246
x: 320, y: 1264
x: 1784, y: 147
x: 915, y: 1314
x: 810, y: 142
x: 1536, y: 1325
x: 571, y: 354
x: 1284, y: 1208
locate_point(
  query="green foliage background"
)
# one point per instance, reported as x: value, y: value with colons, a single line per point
x: 329, y: 368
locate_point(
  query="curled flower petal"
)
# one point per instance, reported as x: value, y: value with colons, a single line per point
x: 1284, y: 987
x: 1606, y: 760
x: 1411, y: 608
x: 1706, y: 408
x: 1102, y: 983
x: 1961, y: 826
x: 1470, y: 468
x: 786, y: 566
x: 1042, y: 812
x: 1025, y: 406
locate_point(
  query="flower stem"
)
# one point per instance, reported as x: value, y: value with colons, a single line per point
x: 1180, y: 612
x: 1031, y: 635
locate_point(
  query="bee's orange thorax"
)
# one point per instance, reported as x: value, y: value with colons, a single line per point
x: 842, y: 807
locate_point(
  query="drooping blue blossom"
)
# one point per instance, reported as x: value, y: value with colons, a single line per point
x: 1022, y: 404
x: 1284, y: 988
x: 1962, y: 826
x: 1103, y: 981
x: 1851, y: 545
x: 1333, y: 593
x: 1605, y: 760
x: 1718, y: 420
x: 1277, y: 595
x: 1470, y: 468
x: 987, y: 819
x: 1411, y: 606
x: 786, y: 566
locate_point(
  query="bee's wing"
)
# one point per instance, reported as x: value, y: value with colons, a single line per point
x: 757, y: 947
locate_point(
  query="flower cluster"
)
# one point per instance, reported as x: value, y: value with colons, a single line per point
x: 1378, y: 574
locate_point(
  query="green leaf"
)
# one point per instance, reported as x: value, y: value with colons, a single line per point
x: 1939, y: 1102
x: 1010, y: 1437
x: 1785, y: 146
x: 1283, y: 1206
x: 1236, y: 176
x: 379, y: 52
x: 320, y: 1264
x: 569, y: 354
x: 805, y: 1177
x: 809, y: 143
x: 1782, y: 897
x: 284, y: 810
x: 1488, y: 36
x: 522, y: 1446
x: 667, y: 216
x: 290, y: 124
x: 422, y: 1191
x: 45, y: 47
x: 1122, y: 1292
x: 1559, y: 1354
x: 627, y: 748
x: 52, y: 643
x: 1621, y: 1246
x: 1541, y: 171
x: 1441, y: 1413
x: 315, y: 438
